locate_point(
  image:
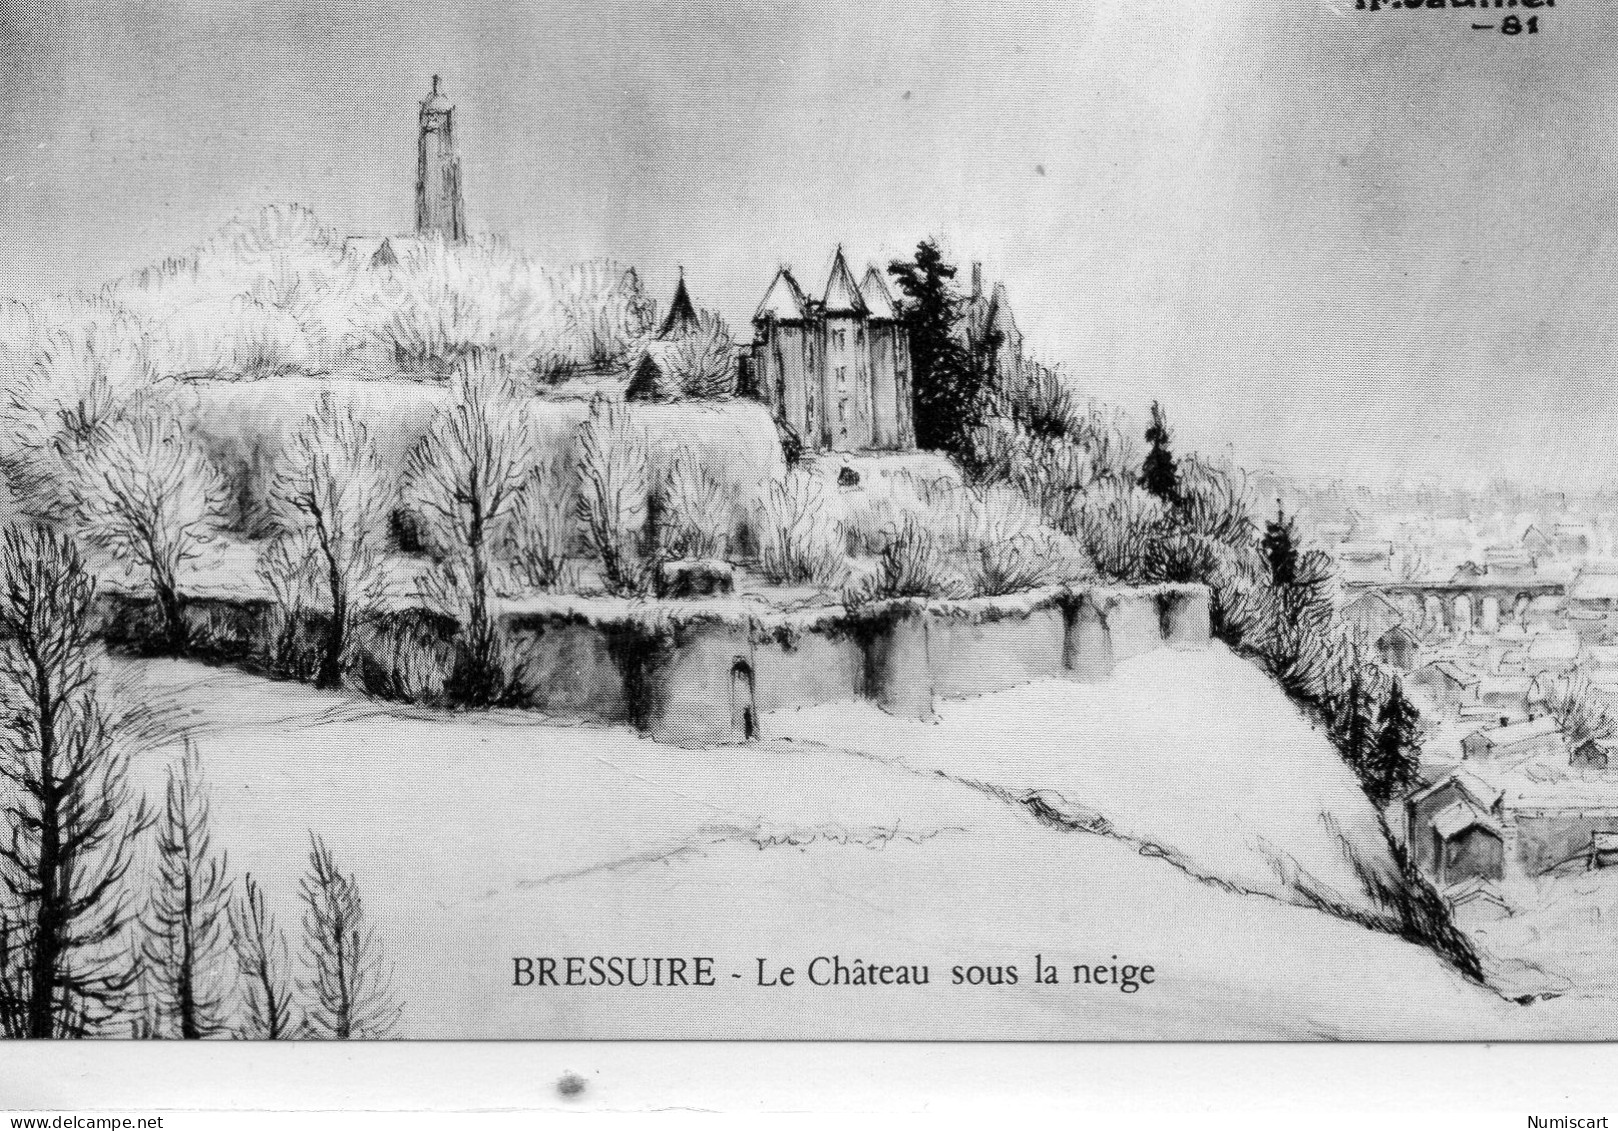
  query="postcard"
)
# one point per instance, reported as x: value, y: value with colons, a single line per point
x: 756, y: 522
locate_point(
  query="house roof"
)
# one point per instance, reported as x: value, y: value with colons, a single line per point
x: 1589, y: 586
x: 1457, y: 818
x: 1394, y: 634
x: 1503, y: 738
x: 878, y: 299
x: 784, y: 301
x: 1454, y: 673
x: 1476, y: 889
x: 842, y: 294
x: 1483, y: 793
x: 682, y: 316
x: 1372, y: 602
x: 1536, y: 537
x: 1554, y: 646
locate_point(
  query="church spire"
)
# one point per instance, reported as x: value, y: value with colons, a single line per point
x: 439, y: 209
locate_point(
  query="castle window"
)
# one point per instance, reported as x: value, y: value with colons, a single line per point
x: 842, y: 376
x: 842, y: 410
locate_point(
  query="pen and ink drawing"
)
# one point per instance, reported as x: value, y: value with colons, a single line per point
x: 409, y: 634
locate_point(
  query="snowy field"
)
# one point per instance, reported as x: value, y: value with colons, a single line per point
x: 479, y: 839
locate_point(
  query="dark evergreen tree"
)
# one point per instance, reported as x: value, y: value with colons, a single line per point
x: 1281, y: 549
x: 948, y: 390
x: 1160, y: 474
x: 1353, y: 728
x: 1397, y: 752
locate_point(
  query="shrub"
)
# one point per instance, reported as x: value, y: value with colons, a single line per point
x: 542, y: 528
x: 614, y: 488
x: 801, y: 537
x: 704, y: 360
x: 1117, y: 524
x: 912, y: 564
x: 694, y: 514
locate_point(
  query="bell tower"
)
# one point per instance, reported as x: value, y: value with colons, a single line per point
x: 439, y: 211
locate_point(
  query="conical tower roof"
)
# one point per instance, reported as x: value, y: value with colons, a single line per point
x: 784, y: 301
x: 682, y: 317
x: 842, y: 295
x: 878, y: 299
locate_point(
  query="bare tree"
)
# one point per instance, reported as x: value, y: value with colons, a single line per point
x: 464, y: 479
x: 185, y: 946
x: 70, y: 813
x: 348, y: 989
x: 331, y: 495
x: 1573, y: 701
x: 615, y: 482
x: 261, y: 956
x: 148, y: 493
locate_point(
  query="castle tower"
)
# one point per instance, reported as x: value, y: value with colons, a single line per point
x: 846, y: 390
x: 439, y: 211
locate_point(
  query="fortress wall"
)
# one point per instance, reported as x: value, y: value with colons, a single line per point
x: 967, y: 656
x: 808, y: 668
x: 898, y: 674
x: 689, y: 691
x: 569, y: 668
x: 698, y: 673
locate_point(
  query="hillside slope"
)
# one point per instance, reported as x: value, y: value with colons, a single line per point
x: 479, y: 838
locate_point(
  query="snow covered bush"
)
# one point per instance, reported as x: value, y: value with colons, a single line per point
x: 615, y: 483
x: 146, y: 492
x: 801, y: 533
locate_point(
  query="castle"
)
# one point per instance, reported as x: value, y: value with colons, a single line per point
x: 836, y: 371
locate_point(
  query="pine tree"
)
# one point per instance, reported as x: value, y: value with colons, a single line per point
x: 1352, y: 729
x: 1160, y: 474
x: 71, y: 819
x: 1281, y: 549
x: 1397, y: 753
x: 261, y: 955
x: 185, y: 947
x: 348, y: 990
x: 947, y: 388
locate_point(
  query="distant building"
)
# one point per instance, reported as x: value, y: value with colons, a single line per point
x: 1519, y: 740
x: 987, y: 326
x: 1372, y: 613
x: 835, y: 371
x: 1399, y: 648
x: 1509, y: 561
x: 440, y: 211
x: 1537, y: 543
x: 1365, y: 561
x: 1573, y: 539
x: 1447, y: 682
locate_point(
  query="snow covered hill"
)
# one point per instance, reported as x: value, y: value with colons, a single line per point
x: 479, y: 839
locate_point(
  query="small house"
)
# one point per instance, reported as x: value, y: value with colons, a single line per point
x: 1454, y: 831
x: 1593, y: 592
x: 1514, y: 741
x: 1447, y: 682
x: 1399, y: 648
x: 1537, y: 542
x: 1372, y: 613
x: 1593, y: 753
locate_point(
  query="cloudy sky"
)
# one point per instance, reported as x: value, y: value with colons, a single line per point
x: 1341, y: 243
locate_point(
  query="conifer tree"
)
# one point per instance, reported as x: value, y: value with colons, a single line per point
x: 947, y: 389
x: 1397, y: 753
x: 71, y: 817
x: 1160, y: 474
x: 1281, y: 549
x: 348, y: 991
x: 261, y: 955
x: 185, y: 946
